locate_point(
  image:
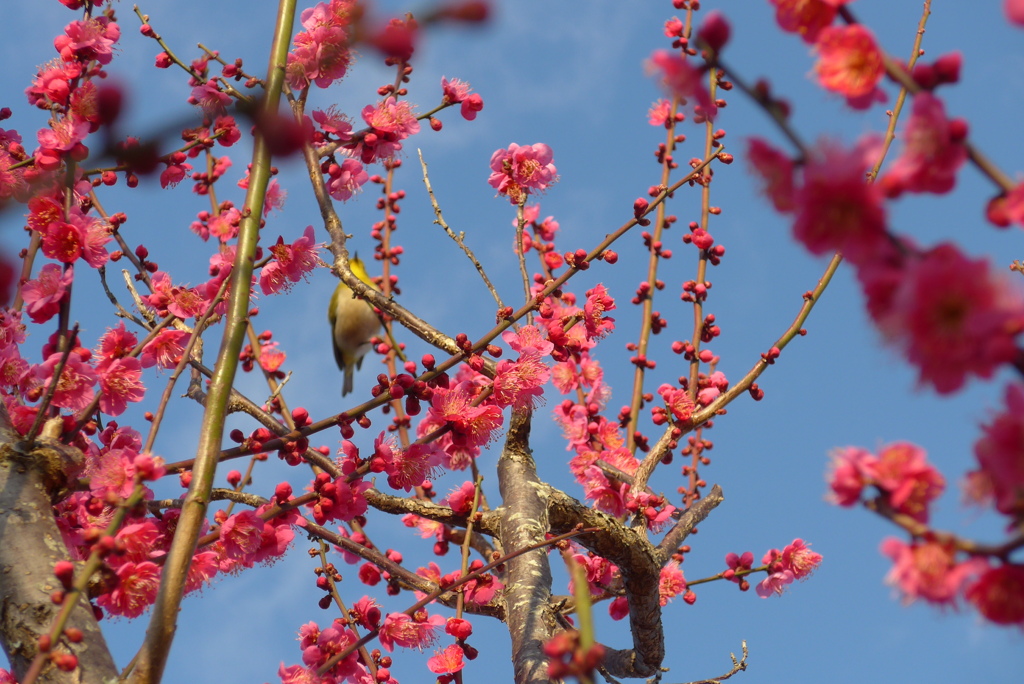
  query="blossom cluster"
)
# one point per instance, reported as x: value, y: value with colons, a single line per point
x: 521, y: 170
x: 794, y: 562
x: 115, y: 468
x: 933, y: 567
x: 936, y: 570
x: 900, y: 472
x: 966, y: 326
x: 322, y: 54
x: 849, y: 60
x: 74, y: 234
x: 950, y: 328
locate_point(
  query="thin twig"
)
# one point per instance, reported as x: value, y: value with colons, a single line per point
x: 521, y: 253
x: 460, y: 238
x: 896, y: 72
x: 51, y: 388
x: 890, y: 132
x: 737, y: 666
x: 120, y: 310
x: 646, y: 326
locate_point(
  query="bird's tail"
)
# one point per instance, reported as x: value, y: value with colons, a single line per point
x: 349, y: 376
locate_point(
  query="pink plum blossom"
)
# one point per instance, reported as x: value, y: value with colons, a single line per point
x: 928, y: 570
x: 346, y: 179
x: 849, y: 61
x: 835, y: 209
x: 447, y: 661
x: 949, y: 326
x: 519, y: 170
x: 44, y: 294
x: 1000, y: 454
x: 409, y: 632
x: 933, y: 150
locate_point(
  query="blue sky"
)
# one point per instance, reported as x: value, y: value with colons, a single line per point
x: 571, y: 75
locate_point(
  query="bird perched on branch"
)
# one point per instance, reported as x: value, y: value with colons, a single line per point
x: 353, y: 324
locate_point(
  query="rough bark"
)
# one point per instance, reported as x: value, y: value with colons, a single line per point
x: 524, y: 521
x: 640, y: 566
x: 640, y: 563
x: 30, y: 545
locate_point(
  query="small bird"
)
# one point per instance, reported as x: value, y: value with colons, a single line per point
x: 353, y: 324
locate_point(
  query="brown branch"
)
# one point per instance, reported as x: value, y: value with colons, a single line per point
x: 458, y: 239
x: 737, y: 666
x: 430, y: 598
x: 404, y: 576
x: 693, y: 516
x: 216, y: 494
x: 882, y: 507
x: 647, y: 306
x: 486, y: 523
x: 640, y: 566
x: 240, y: 403
x: 31, y: 545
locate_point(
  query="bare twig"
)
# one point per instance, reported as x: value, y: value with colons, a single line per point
x: 458, y: 239
x: 890, y: 132
x: 896, y: 72
x: 737, y: 666
x: 120, y: 310
x: 521, y: 254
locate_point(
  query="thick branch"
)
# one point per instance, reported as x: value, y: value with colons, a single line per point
x: 640, y: 565
x: 524, y: 521
x: 30, y: 545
